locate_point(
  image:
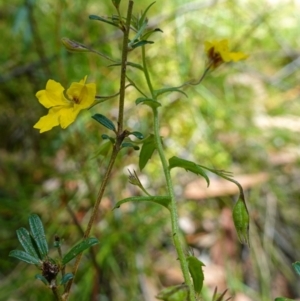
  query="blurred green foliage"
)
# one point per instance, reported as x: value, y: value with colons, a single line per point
x: 244, y: 117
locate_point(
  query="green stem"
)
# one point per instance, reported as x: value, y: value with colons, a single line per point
x: 123, y: 68
x: 173, y: 209
x: 146, y: 72
x: 173, y: 204
x: 120, y: 137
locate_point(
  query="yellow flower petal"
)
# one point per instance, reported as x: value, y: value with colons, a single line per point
x: 218, y: 52
x: 237, y: 56
x: 46, y: 123
x: 82, y: 94
x: 52, y: 95
x: 67, y: 116
x: 64, y: 111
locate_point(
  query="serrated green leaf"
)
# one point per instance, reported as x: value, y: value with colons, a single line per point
x: 240, y: 217
x: 160, y: 200
x: 79, y: 248
x: 188, y: 165
x: 166, y: 90
x: 104, y: 121
x: 27, y: 242
x: 137, y: 135
x: 97, y: 18
x: 66, y: 278
x: 195, y: 268
x: 42, y: 278
x: 38, y: 234
x: 147, y: 150
x: 23, y: 256
x: 296, y: 266
x: 129, y: 144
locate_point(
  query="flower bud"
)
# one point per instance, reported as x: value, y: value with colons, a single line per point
x: 241, y: 221
x: 74, y: 46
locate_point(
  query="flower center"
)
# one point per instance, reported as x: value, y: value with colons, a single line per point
x: 76, y: 99
x: 214, y: 58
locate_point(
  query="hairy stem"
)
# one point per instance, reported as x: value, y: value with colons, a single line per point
x: 173, y: 206
x: 173, y: 209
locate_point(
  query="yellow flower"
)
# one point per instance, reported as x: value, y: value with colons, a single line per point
x: 218, y: 53
x: 63, y: 110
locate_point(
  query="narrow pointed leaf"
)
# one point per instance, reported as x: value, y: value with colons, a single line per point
x: 189, y: 166
x: 149, y: 33
x: 283, y: 299
x: 79, y: 248
x: 104, y: 121
x: 42, y: 278
x: 241, y: 221
x: 38, y: 234
x: 146, y: 152
x: 138, y: 66
x: 27, y: 242
x: 143, y: 17
x: 140, y: 43
x: 174, y: 293
x: 94, y: 17
x: 161, y: 200
x: 296, y: 266
x: 142, y: 99
x: 138, y: 34
x: 195, y: 269
x: 66, y: 278
x: 166, y: 90
x: 23, y: 256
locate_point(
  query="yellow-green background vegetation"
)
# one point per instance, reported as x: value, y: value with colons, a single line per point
x: 243, y: 117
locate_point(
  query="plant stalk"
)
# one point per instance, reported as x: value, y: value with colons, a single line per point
x: 116, y: 148
x: 173, y: 209
x: 173, y: 206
